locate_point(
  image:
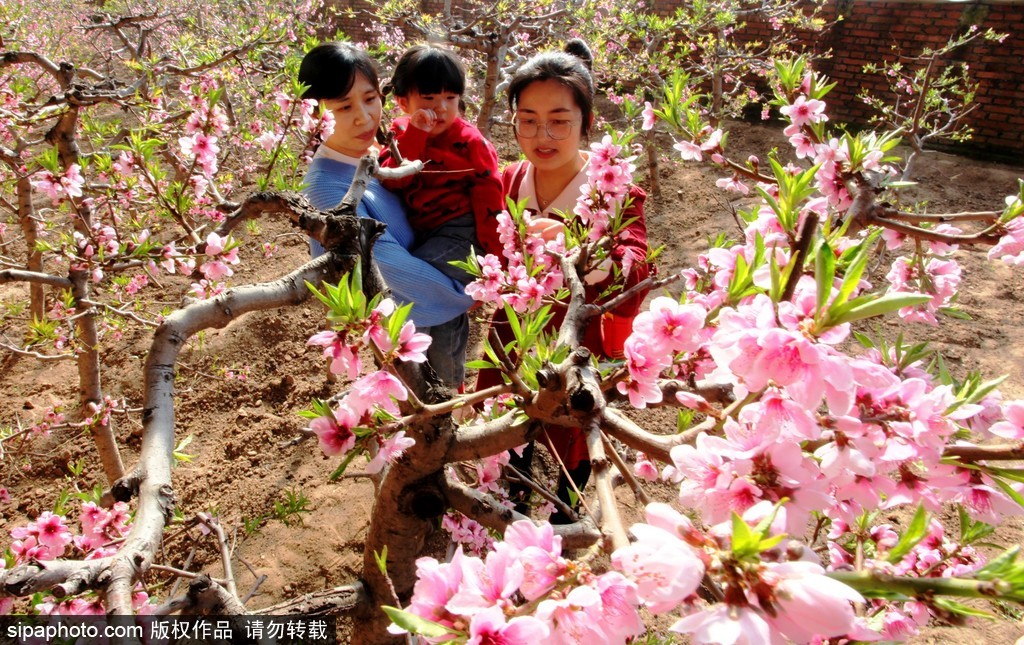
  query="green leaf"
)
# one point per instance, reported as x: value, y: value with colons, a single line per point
x: 772, y: 202
x: 953, y: 312
x: 854, y: 271
x: 985, y: 388
x: 824, y: 272
x: 961, y: 609
x: 1000, y: 567
x: 513, y: 322
x: 684, y: 419
x: 869, y: 306
x: 770, y: 542
x: 1013, y: 474
x: 382, y: 560
x: 1009, y: 490
x: 776, y: 275
x: 415, y: 624
x: 740, y: 278
x: 970, y: 530
x: 340, y: 470
x: 916, y: 532
x: 864, y: 340
x: 179, y: 453
x: 943, y: 371
x: 396, y: 321
x: 744, y: 540
x: 490, y: 353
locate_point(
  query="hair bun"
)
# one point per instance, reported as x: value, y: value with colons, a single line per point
x: 580, y: 50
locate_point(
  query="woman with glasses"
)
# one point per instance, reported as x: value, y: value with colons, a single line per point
x: 552, y: 99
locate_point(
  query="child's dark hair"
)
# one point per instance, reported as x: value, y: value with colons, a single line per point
x: 570, y: 67
x: 329, y: 70
x: 428, y: 69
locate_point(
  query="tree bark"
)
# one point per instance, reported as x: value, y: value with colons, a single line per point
x: 90, y: 391
x: 495, y: 56
x: 34, y: 257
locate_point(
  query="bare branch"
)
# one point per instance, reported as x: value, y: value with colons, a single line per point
x: 225, y: 553
x: 14, y: 275
x: 491, y: 438
x: 121, y: 312
x: 328, y: 602
x: 223, y: 58
x: 996, y: 452
x: 638, y: 490
x: 36, y: 355
x: 516, y: 476
x: 988, y: 236
x: 62, y: 73
x: 491, y: 514
x: 647, y: 284
x: 181, y: 573
x: 655, y: 446
x: 610, y: 518
x: 579, y: 311
x: 209, y: 598
x: 123, y: 21
x: 447, y: 407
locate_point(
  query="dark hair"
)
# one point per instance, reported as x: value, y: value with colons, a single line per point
x: 329, y: 70
x: 428, y: 69
x: 570, y: 67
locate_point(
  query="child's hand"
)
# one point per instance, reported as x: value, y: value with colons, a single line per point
x: 423, y: 119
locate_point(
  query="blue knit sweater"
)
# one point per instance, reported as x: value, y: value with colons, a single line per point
x: 436, y: 298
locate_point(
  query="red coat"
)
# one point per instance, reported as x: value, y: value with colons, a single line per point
x: 616, y: 326
x: 469, y: 183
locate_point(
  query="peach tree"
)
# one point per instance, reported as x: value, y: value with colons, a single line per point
x: 794, y: 429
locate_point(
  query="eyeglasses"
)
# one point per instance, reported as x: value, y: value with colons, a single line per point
x: 557, y: 129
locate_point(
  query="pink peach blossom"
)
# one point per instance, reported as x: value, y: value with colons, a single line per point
x: 804, y: 111
x: 650, y: 118
x: 489, y: 627
x: 391, y: 450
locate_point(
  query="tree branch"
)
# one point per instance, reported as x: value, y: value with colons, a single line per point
x: 638, y: 490
x: 486, y: 510
x: 490, y: 438
x: 328, y: 602
x: 16, y: 275
x: 983, y: 237
x: 62, y: 73
x: 996, y: 452
x: 655, y: 446
x: 610, y: 518
x: 647, y: 284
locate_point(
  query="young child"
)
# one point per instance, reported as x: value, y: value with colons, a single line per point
x: 453, y: 204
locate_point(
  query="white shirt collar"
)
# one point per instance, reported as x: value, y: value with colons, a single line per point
x: 566, y: 200
x: 329, y: 153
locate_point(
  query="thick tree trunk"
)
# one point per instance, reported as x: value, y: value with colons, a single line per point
x: 34, y: 257
x: 490, y: 90
x: 652, y: 164
x: 90, y: 391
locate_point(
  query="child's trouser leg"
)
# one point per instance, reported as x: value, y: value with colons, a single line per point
x: 447, y: 351
x: 454, y: 240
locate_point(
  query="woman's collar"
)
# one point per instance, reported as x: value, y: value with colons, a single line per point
x: 330, y: 153
x: 565, y: 202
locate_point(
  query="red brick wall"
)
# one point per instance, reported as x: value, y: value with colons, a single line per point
x: 870, y: 29
x: 867, y: 33
x: 353, y: 16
